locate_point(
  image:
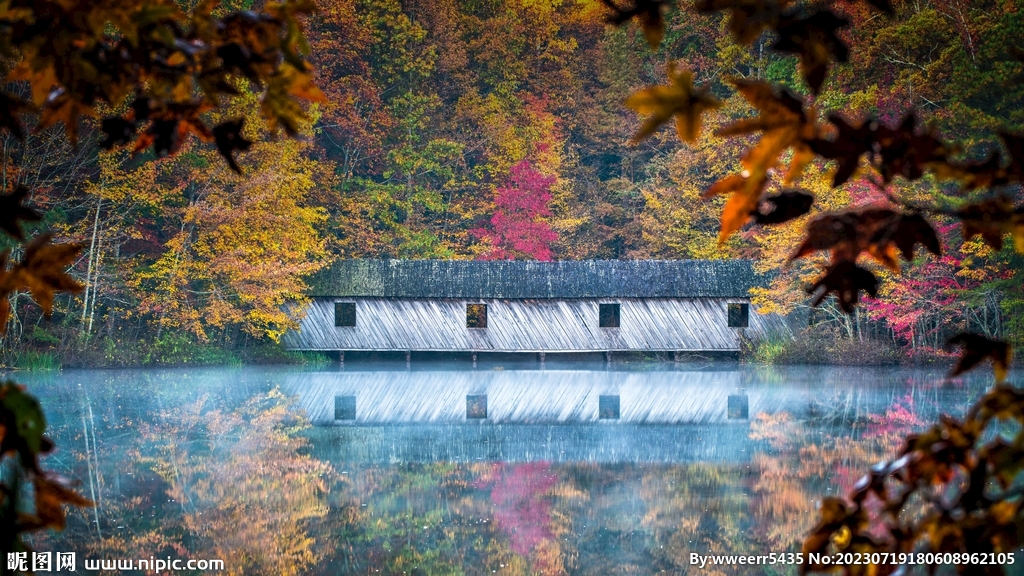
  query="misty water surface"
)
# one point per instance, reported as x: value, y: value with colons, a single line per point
x: 378, y: 469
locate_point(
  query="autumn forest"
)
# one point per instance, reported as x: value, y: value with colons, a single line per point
x: 496, y: 130
x: 176, y: 173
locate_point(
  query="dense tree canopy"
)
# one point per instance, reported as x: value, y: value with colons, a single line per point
x: 427, y: 109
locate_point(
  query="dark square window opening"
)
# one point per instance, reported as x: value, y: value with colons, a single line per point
x: 476, y: 407
x: 476, y: 315
x: 608, y: 315
x: 738, y: 407
x: 344, y: 407
x: 344, y: 313
x: 739, y: 315
x: 608, y: 407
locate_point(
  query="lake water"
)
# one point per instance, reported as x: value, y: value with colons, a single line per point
x: 441, y: 470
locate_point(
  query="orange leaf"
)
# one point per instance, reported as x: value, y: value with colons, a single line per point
x: 679, y: 99
x: 40, y: 75
x: 886, y: 254
x: 784, y: 124
x: 52, y: 492
x: 746, y: 195
x: 42, y: 271
x: 60, y: 107
x: 301, y: 86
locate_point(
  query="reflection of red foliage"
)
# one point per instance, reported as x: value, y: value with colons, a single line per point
x: 845, y: 477
x: 521, y: 509
x: 890, y: 428
x: 900, y: 419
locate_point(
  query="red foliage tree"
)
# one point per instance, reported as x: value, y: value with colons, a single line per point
x: 942, y: 294
x: 517, y: 228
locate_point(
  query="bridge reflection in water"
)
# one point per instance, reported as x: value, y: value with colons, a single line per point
x: 558, y: 415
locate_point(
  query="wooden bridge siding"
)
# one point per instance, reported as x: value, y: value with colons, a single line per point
x: 525, y: 325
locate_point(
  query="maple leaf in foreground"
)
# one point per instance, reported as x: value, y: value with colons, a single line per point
x: 900, y: 151
x: 42, y: 272
x: 852, y: 141
x: 879, y: 232
x: 786, y: 206
x: 52, y: 493
x: 679, y: 98
x: 992, y: 218
x: 650, y: 13
x: 906, y: 232
x: 813, y: 38
x: 905, y: 152
x: 228, y: 136
x: 12, y: 211
x: 783, y: 124
x: 746, y: 193
x: 847, y: 280
x: 976, y: 348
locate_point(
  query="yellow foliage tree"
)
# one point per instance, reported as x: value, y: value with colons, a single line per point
x: 243, y: 248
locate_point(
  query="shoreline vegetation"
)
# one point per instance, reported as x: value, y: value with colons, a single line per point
x: 170, y: 351
x: 818, y: 345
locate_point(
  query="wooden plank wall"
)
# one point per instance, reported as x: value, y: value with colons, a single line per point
x: 549, y: 325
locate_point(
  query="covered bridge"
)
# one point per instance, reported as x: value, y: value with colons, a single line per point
x: 535, y: 307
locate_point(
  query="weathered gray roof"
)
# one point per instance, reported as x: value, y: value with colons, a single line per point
x: 530, y: 279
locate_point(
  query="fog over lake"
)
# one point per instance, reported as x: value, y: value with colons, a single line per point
x: 441, y: 469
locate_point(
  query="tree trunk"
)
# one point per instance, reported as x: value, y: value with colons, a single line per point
x: 95, y: 281
x: 92, y: 253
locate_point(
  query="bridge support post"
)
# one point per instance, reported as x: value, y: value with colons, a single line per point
x: 608, y: 358
x: 474, y: 359
x: 541, y: 360
x: 676, y: 357
x: 341, y: 358
x: 408, y: 358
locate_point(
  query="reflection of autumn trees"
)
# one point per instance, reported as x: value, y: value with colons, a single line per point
x: 700, y: 508
x: 804, y: 462
x: 212, y: 483
x: 251, y: 496
x: 382, y: 518
x: 536, y: 518
x: 235, y: 484
x: 781, y: 485
x: 443, y: 518
x: 520, y: 494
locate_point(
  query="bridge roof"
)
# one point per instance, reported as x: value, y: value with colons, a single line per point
x: 531, y: 279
